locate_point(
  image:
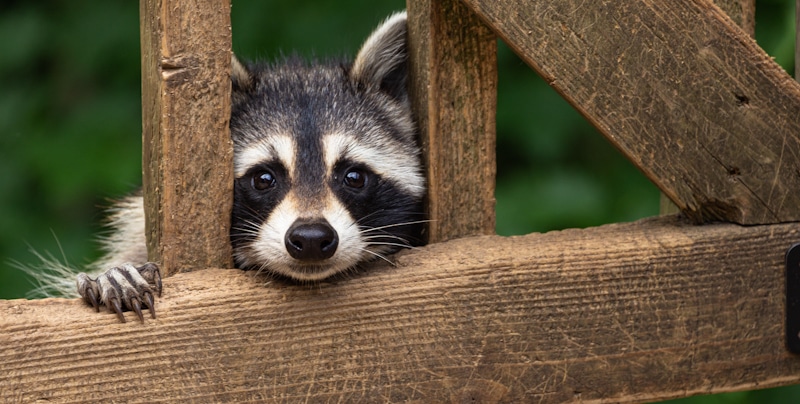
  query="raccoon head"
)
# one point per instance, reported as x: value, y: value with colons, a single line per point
x: 327, y: 168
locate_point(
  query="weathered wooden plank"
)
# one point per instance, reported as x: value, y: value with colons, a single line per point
x: 630, y: 312
x: 679, y: 89
x: 454, y: 88
x: 187, y: 153
x: 743, y: 13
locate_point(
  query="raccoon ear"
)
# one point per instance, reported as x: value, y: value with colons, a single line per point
x: 240, y: 76
x: 382, y: 60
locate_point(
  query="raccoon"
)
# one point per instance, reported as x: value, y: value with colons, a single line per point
x: 327, y: 174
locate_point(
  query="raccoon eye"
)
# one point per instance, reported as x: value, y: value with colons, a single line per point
x: 262, y: 180
x: 355, y: 178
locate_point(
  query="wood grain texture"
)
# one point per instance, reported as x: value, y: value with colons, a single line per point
x: 187, y: 153
x: 454, y: 87
x: 630, y: 312
x: 679, y: 89
x: 742, y: 12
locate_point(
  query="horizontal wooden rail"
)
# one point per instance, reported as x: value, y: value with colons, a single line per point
x: 627, y: 312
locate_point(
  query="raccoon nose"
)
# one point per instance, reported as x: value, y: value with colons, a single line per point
x: 311, y: 240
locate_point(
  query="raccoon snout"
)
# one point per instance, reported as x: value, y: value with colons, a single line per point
x: 311, y: 240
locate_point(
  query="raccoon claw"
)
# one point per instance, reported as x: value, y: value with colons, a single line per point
x: 137, y: 308
x: 113, y: 304
x: 88, y: 289
x: 150, y: 302
x: 123, y: 288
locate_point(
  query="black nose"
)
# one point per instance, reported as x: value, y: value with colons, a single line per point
x: 311, y: 240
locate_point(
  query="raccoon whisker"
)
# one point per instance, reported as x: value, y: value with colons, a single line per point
x: 371, y: 214
x: 395, y: 245
x: 251, y: 222
x: 383, y: 236
x: 264, y: 267
x: 378, y: 233
x: 249, y: 228
x: 367, y: 220
x: 249, y: 225
x: 385, y: 240
x: 256, y: 218
x: 244, y: 232
x: 394, y: 225
x: 254, y: 213
x: 377, y: 239
x: 378, y: 255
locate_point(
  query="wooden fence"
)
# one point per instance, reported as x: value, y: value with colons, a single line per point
x: 642, y: 311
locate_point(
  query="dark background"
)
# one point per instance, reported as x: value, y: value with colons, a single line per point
x: 70, y: 122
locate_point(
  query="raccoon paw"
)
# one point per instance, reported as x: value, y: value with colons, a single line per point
x: 122, y: 288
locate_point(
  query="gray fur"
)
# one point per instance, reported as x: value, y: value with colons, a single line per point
x: 308, y: 119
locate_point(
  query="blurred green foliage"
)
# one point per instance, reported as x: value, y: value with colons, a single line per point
x: 70, y: 125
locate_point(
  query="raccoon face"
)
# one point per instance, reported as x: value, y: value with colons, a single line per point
x: 326, y: 163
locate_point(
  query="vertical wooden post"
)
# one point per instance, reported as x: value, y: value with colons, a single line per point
x: 743, y: 13
x: 454, y: 87
x: 187, y: 151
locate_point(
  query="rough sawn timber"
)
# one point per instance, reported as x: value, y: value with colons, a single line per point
x: 683, y: 92
x: 187, y: 151
x: 629, y: 312
x: 742, y: 12
x: 453, y: 60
